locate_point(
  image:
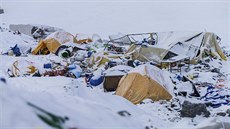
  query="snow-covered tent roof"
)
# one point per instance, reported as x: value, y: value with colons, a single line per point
x: 190, y: 44
x: 168, y: 39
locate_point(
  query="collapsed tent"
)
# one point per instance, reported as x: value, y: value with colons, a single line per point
x: 53, y: 42
x: 170, y: 44
x: 59, y: 38
x: 134, y: 38
x: 145, y: 81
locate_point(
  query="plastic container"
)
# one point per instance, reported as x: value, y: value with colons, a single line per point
x: 47, y: 66
x: 96, y: 81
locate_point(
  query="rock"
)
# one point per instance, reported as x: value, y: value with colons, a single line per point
x: 221, y: 114
x: 215, y: 70
x: 124, y: 113
x: 2, y: 80
x: 207, y: 60
x: 228, y: 112
x: 1, y: 11
x: 182, y: 93
x: 192, y: 109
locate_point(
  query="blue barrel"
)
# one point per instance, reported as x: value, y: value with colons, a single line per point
x: 96, y: 81
x: 48, y: 66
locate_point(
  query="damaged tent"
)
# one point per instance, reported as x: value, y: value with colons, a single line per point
x: 170, y: 44
x: 59, y: 38
x: 145, y: 81
x: 51, y: 43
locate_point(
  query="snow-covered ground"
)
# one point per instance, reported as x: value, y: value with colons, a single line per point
x: 32, y: 102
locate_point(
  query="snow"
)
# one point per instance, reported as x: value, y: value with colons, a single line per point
x: 8, y: 39
x: 118, y: 70
x: 107, y: 17
x: 90, y: 107
x: 80, y: 110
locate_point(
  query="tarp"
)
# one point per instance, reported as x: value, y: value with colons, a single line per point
x: 146, y: 53
x: 62, y: 37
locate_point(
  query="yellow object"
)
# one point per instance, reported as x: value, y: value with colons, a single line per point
x: 136, y: 87
x: 53, y: 42
x: 32, y: 69
x: 46, y: 46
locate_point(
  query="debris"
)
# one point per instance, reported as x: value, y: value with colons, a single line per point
x: 124, y: 113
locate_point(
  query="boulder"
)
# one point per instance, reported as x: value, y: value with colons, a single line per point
x: 192, y: 109
x: 1, y: 11
x: 228, y: 112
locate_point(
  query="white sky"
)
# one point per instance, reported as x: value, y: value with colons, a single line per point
x: 107, y: 17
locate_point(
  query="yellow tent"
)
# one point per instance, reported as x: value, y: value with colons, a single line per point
x: 46, y: 46
x: 152, y: 83
x: 53, y: 42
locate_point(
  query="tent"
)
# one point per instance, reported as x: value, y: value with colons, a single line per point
x: 52, y: 42
x: 145, y: 81
x: 46, y: 46
x: 169, y: 44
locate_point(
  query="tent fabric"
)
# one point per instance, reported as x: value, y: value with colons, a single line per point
x: 52, y: 42
x: 62, y: 37
x: 83, y: 38
x: 191, y: 44
x: 136, y: 86
x: 22, y: 67
x: 46, y: 46
x: 149, y: 53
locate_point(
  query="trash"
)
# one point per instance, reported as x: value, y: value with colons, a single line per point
x: 216, y: 96
x: 96, y: 80
x: 195, y: 75
x: 221, y: 114
x: 3, y: 80
x: 61, y: 72
x: 48, y: 66
x: 195, y: 91
x: 220, y: 83
x: 22, y: 68
x: 124, y: 113
x: 182, y: 93
x: 16, y: 50
x: 75, y: 70
x: 215, y: 70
